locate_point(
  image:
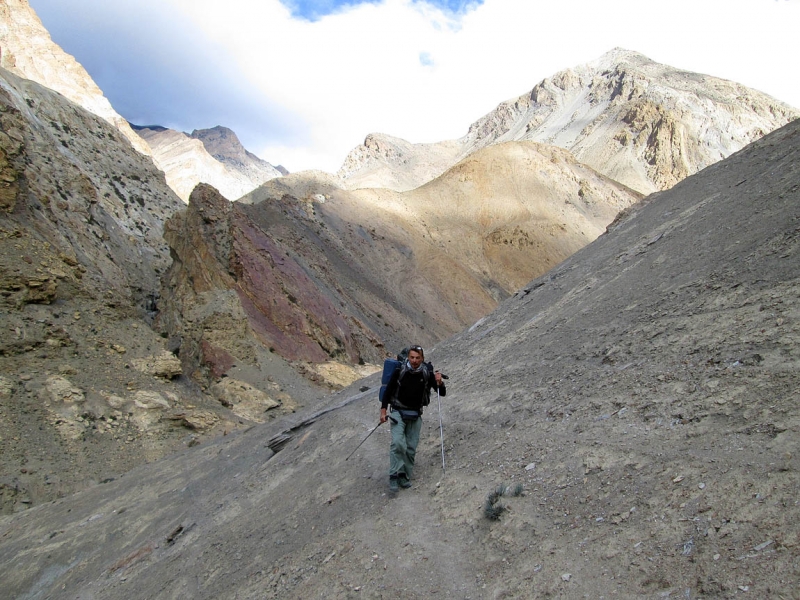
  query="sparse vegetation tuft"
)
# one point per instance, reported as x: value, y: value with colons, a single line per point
x: 492, y: 509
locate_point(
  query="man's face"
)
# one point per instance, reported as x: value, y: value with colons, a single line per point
x: 414, y: 359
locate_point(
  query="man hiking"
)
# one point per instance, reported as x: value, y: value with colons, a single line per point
x: 406, y: 394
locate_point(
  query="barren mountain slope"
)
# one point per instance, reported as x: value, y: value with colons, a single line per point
x: 87, y: 389
x: 383, y: 161
x: 644, y: 124
x: 28, y: 51
x: 224, y: 145
x: 187, y: 162
x: 512, y: 211
x: 329, y: 277
x: 643, y: 393
x: 638, y: 122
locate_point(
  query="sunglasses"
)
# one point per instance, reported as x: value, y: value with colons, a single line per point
x: 416, y: 349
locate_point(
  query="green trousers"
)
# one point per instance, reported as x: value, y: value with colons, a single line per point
x: 405, y: 437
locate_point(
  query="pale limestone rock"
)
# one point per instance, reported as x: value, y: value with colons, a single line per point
x: 149, y: 400
x: 197, y: 419
x: 243, y: 399
x: 165, y: 365
x: 114, y: 401
x: 340, y: 375
x: 60, y: 390
x: 6, y: 387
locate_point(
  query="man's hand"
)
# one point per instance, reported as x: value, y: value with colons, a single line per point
x: 438, y: 376
x: 383, y: 416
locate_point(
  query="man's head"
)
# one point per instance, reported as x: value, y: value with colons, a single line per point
x: 415, y: 356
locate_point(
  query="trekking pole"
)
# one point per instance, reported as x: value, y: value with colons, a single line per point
x: 364, y: 440
x: 441, y: 430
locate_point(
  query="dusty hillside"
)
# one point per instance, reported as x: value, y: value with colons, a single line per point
x: 638, y: 122
x: 327, y: 278
x: 643, y: 393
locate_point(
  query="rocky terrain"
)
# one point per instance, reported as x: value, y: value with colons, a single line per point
x: 327, y: 278
x: 383, y: 161
x: 212, y: 156
x: 134, y: 326
x: 638, y: 122
x: 625, y: 425
x: 88, y: 388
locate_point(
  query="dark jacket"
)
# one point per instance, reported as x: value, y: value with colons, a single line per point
x: 411, y: 391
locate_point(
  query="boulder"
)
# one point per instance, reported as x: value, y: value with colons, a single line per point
x: 243, y: 399
x: 164, y: 365
x: 59, y: 389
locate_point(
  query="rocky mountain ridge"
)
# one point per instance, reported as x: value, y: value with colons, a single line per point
x: 212, y: 156
x: 638, y: 122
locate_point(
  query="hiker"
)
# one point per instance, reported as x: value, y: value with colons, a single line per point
x: 407, y: 393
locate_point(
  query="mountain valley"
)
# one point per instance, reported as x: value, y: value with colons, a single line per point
x: 606, y: 267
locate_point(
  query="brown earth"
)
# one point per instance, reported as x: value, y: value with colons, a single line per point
x: 643, y: 394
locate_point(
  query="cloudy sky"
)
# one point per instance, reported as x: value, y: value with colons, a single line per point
x: 303, y: 81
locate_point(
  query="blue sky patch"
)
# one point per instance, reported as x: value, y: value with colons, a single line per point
x: 313, y: 10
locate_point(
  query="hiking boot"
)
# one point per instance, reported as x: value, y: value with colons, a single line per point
x: 404, y: 482
x: 393, y: 484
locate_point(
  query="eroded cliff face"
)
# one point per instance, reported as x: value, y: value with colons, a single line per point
x: 74, y: 181
x: 239, y: 287
x: 87, y: 389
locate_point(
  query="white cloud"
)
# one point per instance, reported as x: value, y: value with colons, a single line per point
x: 408, y: 69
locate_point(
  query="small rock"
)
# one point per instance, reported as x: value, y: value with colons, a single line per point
x: 566, y: 576
x: 760, y: 547
x: 149, y: 400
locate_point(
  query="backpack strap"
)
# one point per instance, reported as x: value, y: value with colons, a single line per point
x: 426, y: 372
